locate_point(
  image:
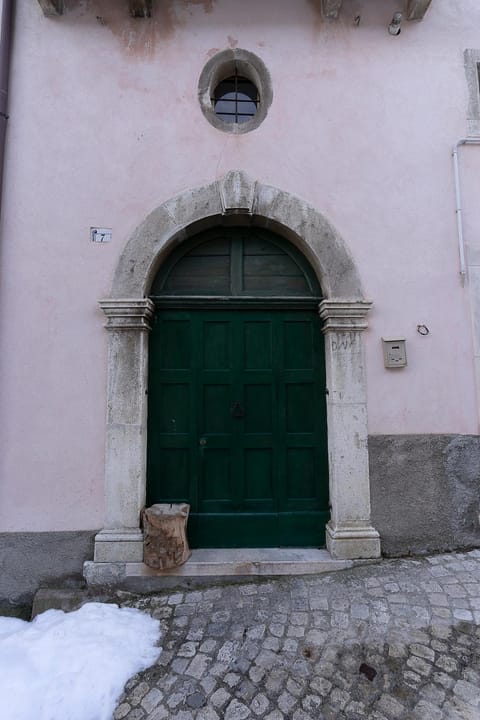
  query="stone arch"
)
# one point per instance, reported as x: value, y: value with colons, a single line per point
x: 237, y: 200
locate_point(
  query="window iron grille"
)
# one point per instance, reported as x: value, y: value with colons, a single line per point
x: 235, y: 99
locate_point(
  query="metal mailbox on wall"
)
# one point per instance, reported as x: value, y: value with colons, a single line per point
x: 394, y: 352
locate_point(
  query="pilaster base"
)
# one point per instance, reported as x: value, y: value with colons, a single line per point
x: 103, y: 574
x: 353, y: 542
x: 121, y: 545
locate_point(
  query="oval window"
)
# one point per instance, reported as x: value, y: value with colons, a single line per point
x: 235, y: 91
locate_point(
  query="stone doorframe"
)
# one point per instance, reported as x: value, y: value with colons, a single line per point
x: 236, y: 200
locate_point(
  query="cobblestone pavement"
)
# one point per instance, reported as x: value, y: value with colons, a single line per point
x: 389, y: 641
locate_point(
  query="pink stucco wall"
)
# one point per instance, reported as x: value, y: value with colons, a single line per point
x: 105, y: 126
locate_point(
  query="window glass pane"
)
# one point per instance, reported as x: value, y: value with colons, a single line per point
x: 226, y: 86
x: 226, y: 96
x: 248, y: 89
x: 235, y: 99
x: 244, y: 97
x: 247, y: 107
x: 224, y: 106
x: 227, y: 118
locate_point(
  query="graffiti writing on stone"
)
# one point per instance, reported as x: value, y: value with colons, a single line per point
x: 344, y: 341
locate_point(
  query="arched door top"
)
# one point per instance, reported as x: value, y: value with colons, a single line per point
x: 236, y: 264
x: 237, y: 200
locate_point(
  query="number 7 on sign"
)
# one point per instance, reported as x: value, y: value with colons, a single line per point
x: 100, y: 235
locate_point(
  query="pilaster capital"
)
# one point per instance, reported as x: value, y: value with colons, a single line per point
x: 128, y: 314
x: 344, y: 315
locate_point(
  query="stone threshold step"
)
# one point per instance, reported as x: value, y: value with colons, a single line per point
x: 106, y: 581
x: 246, y: 562
x: 213, y: 566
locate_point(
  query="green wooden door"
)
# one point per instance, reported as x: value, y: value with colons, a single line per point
x: 237, y: 425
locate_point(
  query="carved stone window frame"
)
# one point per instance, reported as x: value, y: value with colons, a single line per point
x: 236, y: 199
x: 223, y: 65
x: 472, y: 70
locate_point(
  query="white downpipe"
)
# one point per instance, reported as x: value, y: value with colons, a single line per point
x: 458, y: 199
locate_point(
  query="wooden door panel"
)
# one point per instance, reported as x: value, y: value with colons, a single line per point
x: 298, y: 345
x: 216, y: 418
x: 299, y: 410
x: 301, y: 477
x: 216, y: 485
x: 237, y: 425
x: 258, y: 478
x: 174, y: 473
x: 174, y: 403
x: 244, y: 530
x: 258, y: 409
x: 176, y: 344
x: 305, y: 527
x: 258, y: 345
x: 216, y: 342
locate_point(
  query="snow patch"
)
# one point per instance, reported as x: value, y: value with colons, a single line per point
x: 73, y: 666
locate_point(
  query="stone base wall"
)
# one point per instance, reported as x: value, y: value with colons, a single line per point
x: 28, y: 560
x: 425, y: 495
x: 425, y: 492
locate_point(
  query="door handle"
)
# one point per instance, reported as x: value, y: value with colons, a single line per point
x: 237, y: 410
x: 202, y: 442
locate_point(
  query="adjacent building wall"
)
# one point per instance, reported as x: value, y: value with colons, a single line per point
x: 425, y: 491
x: 28, y: 560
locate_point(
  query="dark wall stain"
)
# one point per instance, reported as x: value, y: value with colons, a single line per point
x: 316, y: 5
x: 142, y: 36
x: 207, y: 4
x: 317, y: 8
x: 346, y: 18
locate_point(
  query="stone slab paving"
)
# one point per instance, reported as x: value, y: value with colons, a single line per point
x: 393, y: 640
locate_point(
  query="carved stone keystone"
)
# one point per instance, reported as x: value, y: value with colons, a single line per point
x: 416, y: 9
x: 51, y: 8
x: 165, y: 537
x: 140, y: 8
x: 331, y: 8
x: 237, y: 193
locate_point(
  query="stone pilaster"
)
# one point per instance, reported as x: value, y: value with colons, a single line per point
x: 126, y: 434
x: 350, y: 534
